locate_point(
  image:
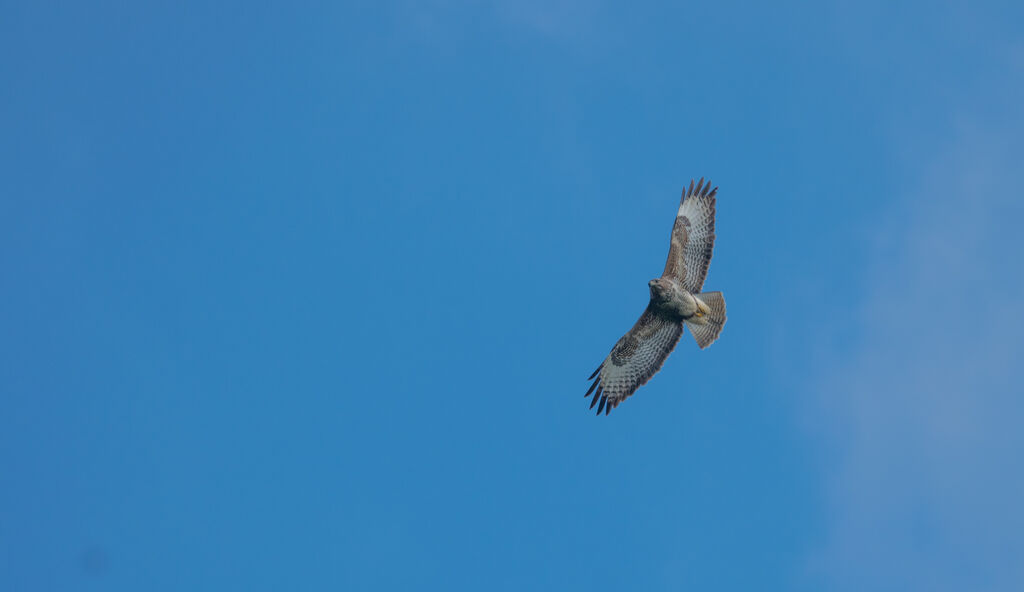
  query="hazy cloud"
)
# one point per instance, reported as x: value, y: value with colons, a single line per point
x: 926, y: 481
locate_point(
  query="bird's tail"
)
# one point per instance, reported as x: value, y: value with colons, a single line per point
x: 707, y: 326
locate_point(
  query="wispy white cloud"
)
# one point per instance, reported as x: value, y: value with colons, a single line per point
x: 565, y: 20
x: 926, y: 482
x: 442, y: 23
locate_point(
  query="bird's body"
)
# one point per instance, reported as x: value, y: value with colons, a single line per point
x: 676, y: 301
x: 672, y: 301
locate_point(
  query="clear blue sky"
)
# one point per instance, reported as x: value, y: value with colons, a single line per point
x: 304, y: 296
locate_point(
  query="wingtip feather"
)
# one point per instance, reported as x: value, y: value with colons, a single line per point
x: 701, y: 189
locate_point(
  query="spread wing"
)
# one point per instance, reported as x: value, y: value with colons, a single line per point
x: 634, y: 360
x: 693, y: 237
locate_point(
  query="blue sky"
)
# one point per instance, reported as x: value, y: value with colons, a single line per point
x: 305, y: 296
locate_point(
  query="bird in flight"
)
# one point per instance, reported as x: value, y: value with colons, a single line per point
x: 676, y: 301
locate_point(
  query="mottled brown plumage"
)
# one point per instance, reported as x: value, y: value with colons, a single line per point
x: 676, y: 301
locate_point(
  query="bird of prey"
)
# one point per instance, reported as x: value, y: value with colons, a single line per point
x: 676, y: 301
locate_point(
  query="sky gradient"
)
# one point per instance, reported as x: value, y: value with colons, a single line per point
x: 305, y: 296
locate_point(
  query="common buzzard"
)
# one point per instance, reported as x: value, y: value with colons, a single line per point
x: 676, y: 301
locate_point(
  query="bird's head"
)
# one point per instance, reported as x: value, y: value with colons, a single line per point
x: 661, y: 289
